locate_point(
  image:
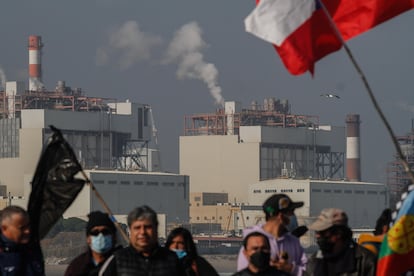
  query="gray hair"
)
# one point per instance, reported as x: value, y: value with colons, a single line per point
x: 143, y: 212
x: 9, y: 211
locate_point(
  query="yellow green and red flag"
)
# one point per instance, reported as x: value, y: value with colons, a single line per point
x: 396, y: 255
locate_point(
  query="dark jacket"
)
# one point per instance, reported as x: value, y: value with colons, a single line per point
x: 128, y: 262
x: 20, y: 259
x: 83, y: 265
x: 271, y: 271
x: 355, y: 260
x: 203, y: 267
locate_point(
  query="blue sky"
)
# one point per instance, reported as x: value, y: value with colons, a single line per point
x: 118, y: 49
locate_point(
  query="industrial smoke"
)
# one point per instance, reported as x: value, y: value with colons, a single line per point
x: 130, y: 43
x: 185, y: 49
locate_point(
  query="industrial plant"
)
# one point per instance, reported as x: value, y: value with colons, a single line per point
x: 230, y: 160
x: 251, y: 153
x: 115, y: 142
x: 397, y: 178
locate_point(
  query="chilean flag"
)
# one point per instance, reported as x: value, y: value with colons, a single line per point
x: 301, y: 32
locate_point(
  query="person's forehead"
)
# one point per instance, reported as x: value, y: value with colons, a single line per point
x: 142, y: 222
x: 178, y: 238
x: 99, y: 227
x: 19, y: 218
x: 256, y: 240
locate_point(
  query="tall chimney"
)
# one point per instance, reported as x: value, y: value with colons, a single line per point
x: 35, y: 62
x: 353, y: 161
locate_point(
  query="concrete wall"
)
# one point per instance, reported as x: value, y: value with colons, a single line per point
x: 363, y: 202
x: 123, y: 191
x: 220, y: 164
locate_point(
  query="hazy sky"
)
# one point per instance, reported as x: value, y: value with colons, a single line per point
x: 182, y: 57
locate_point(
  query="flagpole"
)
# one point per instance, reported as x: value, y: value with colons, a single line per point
x: 370, y: 93
x: 105, y: 206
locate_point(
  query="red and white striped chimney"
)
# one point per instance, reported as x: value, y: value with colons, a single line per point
x: 35, y: 62
x: 353, y: 161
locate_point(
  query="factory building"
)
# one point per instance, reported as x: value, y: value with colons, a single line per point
x: 253, y: 153
x: 232, y: 148
x: 362, y: 201
x: 115, y: 142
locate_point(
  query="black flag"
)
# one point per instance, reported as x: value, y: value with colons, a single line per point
x: 54, y: 186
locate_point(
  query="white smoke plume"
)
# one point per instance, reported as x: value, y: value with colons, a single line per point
x: 130, y: 44
x: 2, y: 80
x: 406, y: 107
x: 185, y: 49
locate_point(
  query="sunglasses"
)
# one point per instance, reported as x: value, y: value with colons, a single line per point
x: 97, y: 232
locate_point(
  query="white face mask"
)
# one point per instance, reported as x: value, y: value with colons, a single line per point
x: 101, y: 243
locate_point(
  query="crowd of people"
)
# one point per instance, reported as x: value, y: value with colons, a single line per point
x: 271, y: 248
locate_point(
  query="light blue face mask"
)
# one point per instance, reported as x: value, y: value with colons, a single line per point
x: 293, y: 223
x: 180, y: 253
x: 101, y: 243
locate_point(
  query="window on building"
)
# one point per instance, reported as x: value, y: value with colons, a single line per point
x: 112, y: 182
x: 138, y: 183
x: 125, y: 182
x: 152, y: 183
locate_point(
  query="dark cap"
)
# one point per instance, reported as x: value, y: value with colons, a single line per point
x: 279, y: 202
x: 98, y: 218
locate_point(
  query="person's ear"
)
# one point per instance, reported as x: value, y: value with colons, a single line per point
x: 88, y: 240
x: 245, y: 253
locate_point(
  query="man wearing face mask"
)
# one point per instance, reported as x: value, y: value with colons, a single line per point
x: 338, y: 254
x: 286, y: 253
x: 256, y: 249
x: 100, y: 237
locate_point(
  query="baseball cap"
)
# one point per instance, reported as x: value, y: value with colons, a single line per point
x: 280, y: 202
x: 328, y: 218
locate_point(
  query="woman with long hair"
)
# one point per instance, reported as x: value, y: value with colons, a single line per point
x: 181, y: 242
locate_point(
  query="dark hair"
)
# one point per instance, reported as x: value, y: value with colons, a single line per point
x: 384, y: 220
x: 342, y: 230
x: 143, y: 212
x: 7, y: 212
x: 255, y: 234
x: 189, y: 244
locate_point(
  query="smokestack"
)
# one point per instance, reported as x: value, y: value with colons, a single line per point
x: 353, y: 161
x: 35, y: 62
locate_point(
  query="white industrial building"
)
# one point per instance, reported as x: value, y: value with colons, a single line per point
x: 258, y: 151
x: 231, y: 149
x: 362, y: 201
x: 113, y: 142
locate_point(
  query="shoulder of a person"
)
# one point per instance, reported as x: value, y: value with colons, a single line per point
x: 361, y: 250
x: 83, y: 257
